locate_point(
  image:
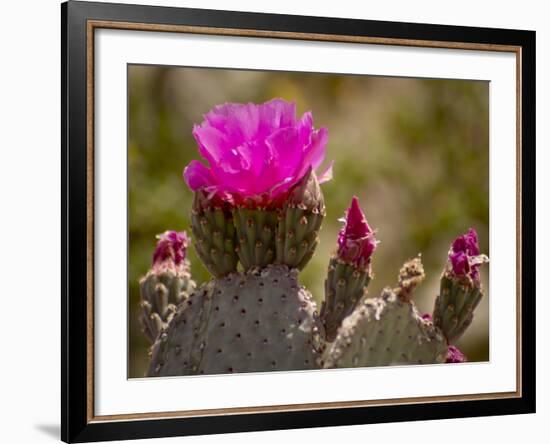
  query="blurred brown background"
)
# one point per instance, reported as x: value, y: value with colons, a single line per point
x: 414, y: 151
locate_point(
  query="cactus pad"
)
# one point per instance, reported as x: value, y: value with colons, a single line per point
x: 386, y: 331
x: 245, y: 322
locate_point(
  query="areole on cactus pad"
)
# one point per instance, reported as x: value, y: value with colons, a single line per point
x: 256, y: 217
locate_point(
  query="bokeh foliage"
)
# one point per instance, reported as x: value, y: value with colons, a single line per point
x: 414, y: 151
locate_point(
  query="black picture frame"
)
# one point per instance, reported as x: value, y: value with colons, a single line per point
x: 76, y: 423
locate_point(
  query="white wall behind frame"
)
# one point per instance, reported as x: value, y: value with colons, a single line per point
x: 29, y: 180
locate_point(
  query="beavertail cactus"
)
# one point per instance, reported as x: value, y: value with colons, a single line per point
x: 256, y: 217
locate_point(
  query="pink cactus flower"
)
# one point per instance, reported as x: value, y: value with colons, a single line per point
x: 171, y: 249
x: 454, y: 355
x: 464, y: 255
x: 356, y: 241
x: 255, y: 152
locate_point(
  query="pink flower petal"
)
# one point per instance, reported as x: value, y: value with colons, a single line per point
x: 212, y: 142
x: 197, y: 176
x: 277, y: 113
x: 314, y: 153
x: 286, y: 153
x: 326, y: 174
x: 255, y: 149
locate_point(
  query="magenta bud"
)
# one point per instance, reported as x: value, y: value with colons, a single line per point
x: 454, y: 355
x: 464, y: 256
x: 171, y: 249
x: 356, y: 241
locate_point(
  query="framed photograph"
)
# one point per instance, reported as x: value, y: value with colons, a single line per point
x: 275, y: 221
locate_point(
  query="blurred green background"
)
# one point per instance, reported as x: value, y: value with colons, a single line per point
x: 414, y: 151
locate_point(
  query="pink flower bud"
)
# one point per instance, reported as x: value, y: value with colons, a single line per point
x: 356, y: 241
x: 464, y: 256
x: 171, y: 249
x: 454, y: 355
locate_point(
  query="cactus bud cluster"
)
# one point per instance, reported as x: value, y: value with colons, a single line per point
x: 166, y: 285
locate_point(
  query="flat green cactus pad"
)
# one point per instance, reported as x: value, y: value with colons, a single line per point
x: 245, y: 322
x: 385, y: 331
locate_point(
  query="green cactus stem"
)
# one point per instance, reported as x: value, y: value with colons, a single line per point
x: 245, y: 322
x: 214, y: 235
x: 300, y: 222
x: 256, y: 231
x: 455, y: 305
x: 349, y: 270
x: 460, y: 289
x: 344, y: 287
x: 161, y: 292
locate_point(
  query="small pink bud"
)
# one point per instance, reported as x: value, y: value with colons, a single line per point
x: 356, y: 241
x: 171, y: 249
x: 464, y: 256
x: 454, y: 355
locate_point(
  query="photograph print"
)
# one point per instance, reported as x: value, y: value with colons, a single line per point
x: 284, y: 221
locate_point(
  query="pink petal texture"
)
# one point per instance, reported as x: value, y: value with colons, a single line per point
x: 454, y: 355
x: 197, y: 175
x: 464, y: 255
x: 171, y: 249
x: 255, y: 152
x: 356, y: 241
